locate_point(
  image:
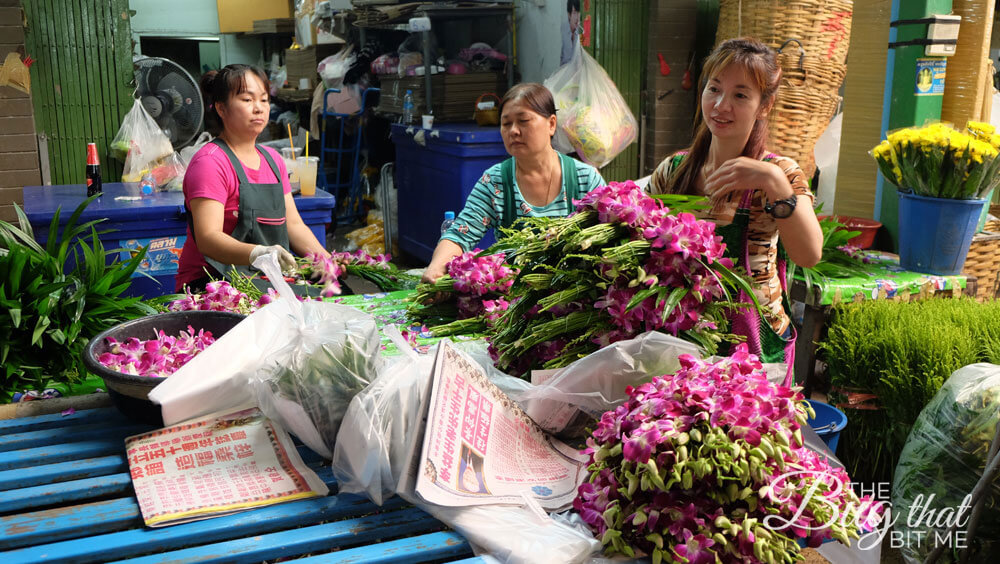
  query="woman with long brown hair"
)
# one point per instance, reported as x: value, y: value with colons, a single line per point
x: 758, y: 198
x: 536, y: 181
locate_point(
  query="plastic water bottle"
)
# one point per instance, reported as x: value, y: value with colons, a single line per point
x: 408, y: 107
x: 449, y: 219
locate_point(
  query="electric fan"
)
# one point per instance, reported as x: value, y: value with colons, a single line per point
x: 171, y: 97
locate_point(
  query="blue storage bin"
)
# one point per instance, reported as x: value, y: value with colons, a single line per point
x: 158, y: 220
x: 828, y: 424
x: 438, y: 177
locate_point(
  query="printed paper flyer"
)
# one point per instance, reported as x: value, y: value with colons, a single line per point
x: 216, y: 465
x: 481, y: 448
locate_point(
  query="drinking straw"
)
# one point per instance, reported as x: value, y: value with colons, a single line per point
x: 307, y: 148
x: 290, y: 138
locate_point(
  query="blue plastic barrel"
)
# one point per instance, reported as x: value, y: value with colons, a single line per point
x: 935, y: 233
x: 828, y: 423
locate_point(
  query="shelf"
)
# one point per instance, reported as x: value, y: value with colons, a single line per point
x: 442, y: 11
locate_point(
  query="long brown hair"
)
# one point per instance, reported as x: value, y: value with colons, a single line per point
x: 761, y: 64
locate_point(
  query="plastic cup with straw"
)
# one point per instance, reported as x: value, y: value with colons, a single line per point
x: 307, y: 167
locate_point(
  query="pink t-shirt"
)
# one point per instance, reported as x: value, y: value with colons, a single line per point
x: 211, y: 175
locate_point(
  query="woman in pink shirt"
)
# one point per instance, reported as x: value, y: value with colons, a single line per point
x: 236, y: 192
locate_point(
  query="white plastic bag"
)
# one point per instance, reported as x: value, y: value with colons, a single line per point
x: 827, y: 153
x: 569, y: 399
x: 594, y: 119
x: 260, y: 361
x: 372, y: 448
x: 333, y: 68
x: 187, y: 153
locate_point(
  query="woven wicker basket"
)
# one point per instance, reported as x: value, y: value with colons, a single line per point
x: 812, y: 37
x: 983, y: 261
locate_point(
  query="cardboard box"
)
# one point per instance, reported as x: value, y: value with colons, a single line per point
x: 453, y: 95
x: 302, y: 63
x: 237, y: 16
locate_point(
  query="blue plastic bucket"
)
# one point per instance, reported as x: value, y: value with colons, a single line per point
x: 935, y: 233
x: 828, y: 423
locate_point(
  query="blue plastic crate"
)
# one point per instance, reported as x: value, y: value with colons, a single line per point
x: 135, y: 222
x: 438, y: 177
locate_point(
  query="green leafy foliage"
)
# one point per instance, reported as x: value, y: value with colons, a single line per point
x: 55, y: 298
x: 900, y: 352
x: 835, y: 263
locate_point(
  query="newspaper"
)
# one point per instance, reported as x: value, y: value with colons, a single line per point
x: 216, y: 465
x: 480, y: 447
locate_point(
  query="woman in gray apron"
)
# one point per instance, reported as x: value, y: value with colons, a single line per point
x: 236, y: 192
x: 536, y: 181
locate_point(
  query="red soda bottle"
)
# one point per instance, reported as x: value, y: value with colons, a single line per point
x: 93, y: 170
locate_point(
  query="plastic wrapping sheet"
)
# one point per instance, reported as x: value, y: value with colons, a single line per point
x: 944, y: 457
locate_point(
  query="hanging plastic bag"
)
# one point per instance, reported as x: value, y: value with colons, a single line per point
x: 142, y: 145
x: 333, y: 68
x: 301, y: 362
x: 942, y: 461
x: 187, y: 153
x: 594, y: 119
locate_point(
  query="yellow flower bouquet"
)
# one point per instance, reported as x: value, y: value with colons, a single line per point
x: 939, y: 161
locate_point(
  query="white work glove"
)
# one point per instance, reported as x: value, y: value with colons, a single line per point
x: 285, y: 259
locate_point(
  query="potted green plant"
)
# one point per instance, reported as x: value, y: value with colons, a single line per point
x: 943, y: 176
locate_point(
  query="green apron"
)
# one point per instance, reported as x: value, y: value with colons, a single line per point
x: 570, y: 182
x: 261, y: 219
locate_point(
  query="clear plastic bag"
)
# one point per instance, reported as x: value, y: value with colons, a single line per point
x: 301, y: 362
x: 594, y: 119
x: 142, y: 145
x: 942, y: 461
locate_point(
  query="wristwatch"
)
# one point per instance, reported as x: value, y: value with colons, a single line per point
x: 780, y: 209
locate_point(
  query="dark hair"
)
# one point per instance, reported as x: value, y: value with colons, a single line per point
x: 220, y: 85
x: 761, y: 63
x: 537, y: 97
x: 572, y: 5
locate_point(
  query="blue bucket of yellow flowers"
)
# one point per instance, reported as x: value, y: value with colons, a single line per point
x: 943, y: 176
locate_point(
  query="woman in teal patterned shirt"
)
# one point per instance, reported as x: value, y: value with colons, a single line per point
x: 536, y: 181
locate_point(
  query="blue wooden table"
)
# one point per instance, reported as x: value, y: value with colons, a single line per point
x: 66, y: 496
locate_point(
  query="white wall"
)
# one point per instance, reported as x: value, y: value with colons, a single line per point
x: 539, y: 37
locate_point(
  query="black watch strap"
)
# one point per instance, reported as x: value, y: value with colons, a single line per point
x: 780, y: 209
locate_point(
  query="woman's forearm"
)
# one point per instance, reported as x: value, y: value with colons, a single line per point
x: 224, y: 248
x: 443, y: 253
x: 302, y: 240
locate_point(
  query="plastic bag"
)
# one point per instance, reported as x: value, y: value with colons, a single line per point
x: 567, y: 401
x: 187, y: 153
x: 944, y: 457
x: 144, y: 147
x: 594, y: 119
x: 372, y: 448
x: 301, y: 362
x: 333, y: 68
x: 827, y: 154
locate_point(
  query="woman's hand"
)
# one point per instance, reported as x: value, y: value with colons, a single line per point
x: 744, y: 173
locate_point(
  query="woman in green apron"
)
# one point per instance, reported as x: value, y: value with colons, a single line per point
x: 236, y: 192
x: 536, y: 181
x: 759, y: 198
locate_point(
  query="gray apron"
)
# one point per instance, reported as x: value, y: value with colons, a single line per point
x: 261, y: 219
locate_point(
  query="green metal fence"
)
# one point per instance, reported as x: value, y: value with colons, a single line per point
x: 80, y: 81
x: 619, y: 43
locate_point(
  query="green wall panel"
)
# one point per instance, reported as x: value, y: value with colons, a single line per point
x: 619, y: 31
x: 81, y: 80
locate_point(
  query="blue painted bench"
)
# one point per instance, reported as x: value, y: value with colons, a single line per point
x: 66, y: 496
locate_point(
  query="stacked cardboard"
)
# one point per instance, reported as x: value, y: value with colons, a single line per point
x: 453, y: 95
